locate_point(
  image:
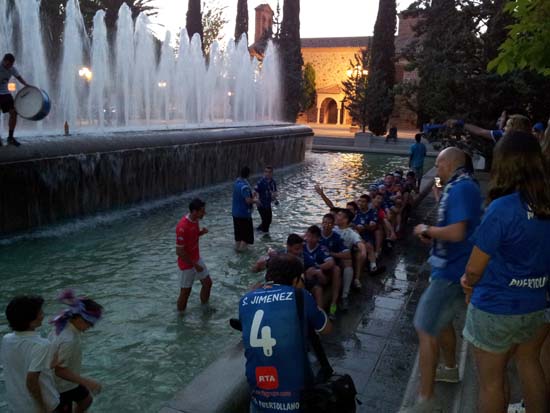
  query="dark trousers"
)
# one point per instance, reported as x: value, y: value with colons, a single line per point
x: 267, y: 216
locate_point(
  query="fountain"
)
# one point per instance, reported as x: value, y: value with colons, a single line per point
x: 146, y: 121
x: 125, y: 86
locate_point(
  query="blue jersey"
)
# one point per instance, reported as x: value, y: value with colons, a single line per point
x: 364, y: 219
x: 265, y: 187
x: 316, y: 256
x: 464, y: 204
x: 274, y: 346
x: 333, y: 243
x: 516, y: 279
x: 417, y: 154
x: 496, y: 134
x: 241, y: 191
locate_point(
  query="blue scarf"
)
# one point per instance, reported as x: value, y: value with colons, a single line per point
x: 438, y: 253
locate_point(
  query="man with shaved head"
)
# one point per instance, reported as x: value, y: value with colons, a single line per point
x: 459, y: 213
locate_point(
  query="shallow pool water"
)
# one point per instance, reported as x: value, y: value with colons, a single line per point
x: 143, y: 351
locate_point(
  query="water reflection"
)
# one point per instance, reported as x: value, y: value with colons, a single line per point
x: 142, y: 351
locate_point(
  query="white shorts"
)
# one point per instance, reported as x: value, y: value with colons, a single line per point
x: 188, y: 277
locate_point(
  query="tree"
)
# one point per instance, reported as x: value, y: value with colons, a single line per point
x: 194, y: 19
x: 52, y: 13
x: 355, y: 89
x: 382, y: 68
x: 528, y: 41
x: 447, y: 57
x: 213, y: 22
x: 309, y: 94
x: 291, y: 59
x: 241, y: 24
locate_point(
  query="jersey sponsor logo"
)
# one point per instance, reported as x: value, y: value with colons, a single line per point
x: 267, y: 377
x: 534, y: 283
x: 280, y: 406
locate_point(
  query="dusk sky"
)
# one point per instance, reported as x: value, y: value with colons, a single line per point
x: 318, y: 18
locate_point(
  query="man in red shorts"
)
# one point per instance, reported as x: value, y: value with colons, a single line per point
x: 190, y: 263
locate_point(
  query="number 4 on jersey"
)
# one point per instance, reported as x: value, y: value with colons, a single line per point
x: 265, y: 341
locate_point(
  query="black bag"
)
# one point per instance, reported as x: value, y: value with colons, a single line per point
x: 337, y: 394
x: 332, y: 392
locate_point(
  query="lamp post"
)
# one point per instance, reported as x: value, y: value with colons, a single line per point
x: 86, y: 74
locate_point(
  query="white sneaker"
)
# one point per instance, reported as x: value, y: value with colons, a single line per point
x: 447, y: 375
x: 357, y: 283
x: 373, y: 267
x: 516, y: 407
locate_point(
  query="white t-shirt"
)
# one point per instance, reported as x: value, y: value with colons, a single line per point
x: 349, y: 236
x: 67, y: 345
x: 22, y: 353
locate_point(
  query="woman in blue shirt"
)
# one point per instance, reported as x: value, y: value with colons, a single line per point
x: 506, y: 278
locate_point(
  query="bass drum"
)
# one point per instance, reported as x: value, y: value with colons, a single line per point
x: 32, y: 103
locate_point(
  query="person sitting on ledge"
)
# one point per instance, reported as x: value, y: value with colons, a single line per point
x: 273, y: 337
x: 392, y: 134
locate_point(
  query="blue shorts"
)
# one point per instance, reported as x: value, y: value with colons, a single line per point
x: 438, y: 306
x: 497, y: 333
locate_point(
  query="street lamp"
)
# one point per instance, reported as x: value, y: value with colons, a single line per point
x: 12, y: 87
x: 357, y: 71
x: 85, y: 73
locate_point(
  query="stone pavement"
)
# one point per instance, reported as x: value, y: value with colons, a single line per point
x: 375, y: 342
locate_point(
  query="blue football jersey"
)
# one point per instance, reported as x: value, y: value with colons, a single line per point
x: 316, y: 256
x: 333, y: 243
x: 277, y: 368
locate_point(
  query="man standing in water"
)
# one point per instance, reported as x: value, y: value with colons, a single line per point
x: 266, y: 188
x: 190, y: 263
x: 7, y: 70
x: 243, y: 200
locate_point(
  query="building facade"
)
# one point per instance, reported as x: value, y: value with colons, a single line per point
x: 332, y: 59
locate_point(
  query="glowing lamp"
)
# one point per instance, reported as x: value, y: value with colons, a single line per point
x: 85, y: 73
x: 12, y: 87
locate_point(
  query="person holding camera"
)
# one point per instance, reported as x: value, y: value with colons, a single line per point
x: 273, y: 337
x: 459, y: 214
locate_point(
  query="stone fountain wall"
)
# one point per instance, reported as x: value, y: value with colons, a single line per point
x: 46, y: 182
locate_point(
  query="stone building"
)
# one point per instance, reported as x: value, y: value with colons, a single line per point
x: 332, y: 58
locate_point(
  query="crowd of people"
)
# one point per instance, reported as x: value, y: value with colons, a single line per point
x: 494, y: 259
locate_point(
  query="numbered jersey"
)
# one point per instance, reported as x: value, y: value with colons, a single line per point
x: 274, y: 345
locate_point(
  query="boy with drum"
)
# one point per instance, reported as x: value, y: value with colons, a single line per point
x: 7, y: 70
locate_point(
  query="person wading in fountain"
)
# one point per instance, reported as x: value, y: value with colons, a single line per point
x: 243, y: 200
x: 189, y: 260
x: 82, y: 314
x: 266, y: 188
x: 7, y: 70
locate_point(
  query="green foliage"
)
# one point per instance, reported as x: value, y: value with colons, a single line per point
x: 355, y: 89
x: 382, y: 68
x: 528, y: 41
x: 194, y: 19
x: 213, y: 22
x: 459, y: 138
x: 309, y: 94
x: 447, y: 59
x: 455, y: 41
x: 241, y: 24
x: 291, y: 59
